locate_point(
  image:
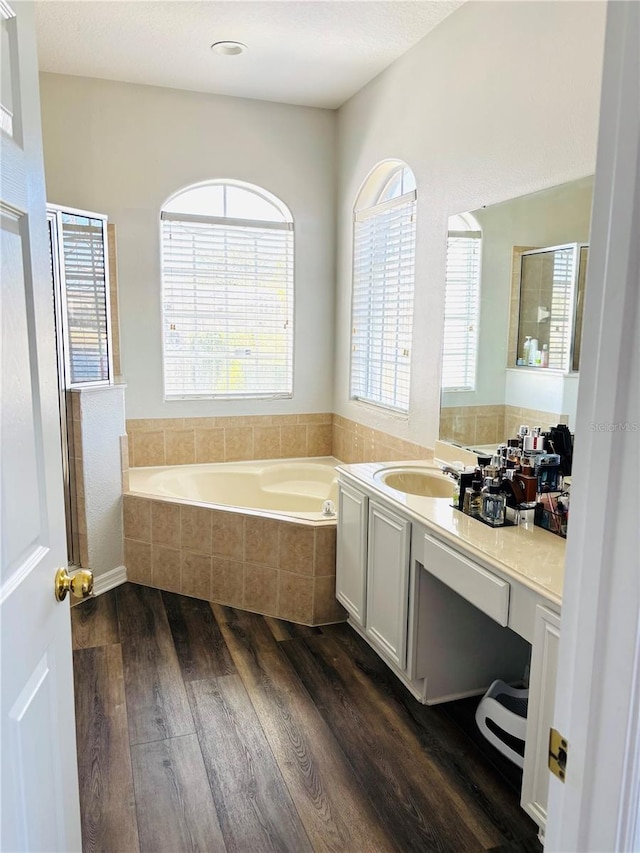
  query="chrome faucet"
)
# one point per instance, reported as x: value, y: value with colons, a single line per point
x: 453, y: 471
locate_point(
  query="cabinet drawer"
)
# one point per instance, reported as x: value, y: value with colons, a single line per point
x: 481, y: 588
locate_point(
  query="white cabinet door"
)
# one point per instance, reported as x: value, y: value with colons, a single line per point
x: 351, y: 553
x: 542, y: 688
x: 388, y: 583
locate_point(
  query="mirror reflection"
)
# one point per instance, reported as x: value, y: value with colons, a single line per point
x: 515, y: 270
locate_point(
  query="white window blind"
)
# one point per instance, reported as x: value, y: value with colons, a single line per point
x: 382, y: 309
x: 462, y: 296
x: 564, y: 262
x: 85, y: 295
x: 228, y: 306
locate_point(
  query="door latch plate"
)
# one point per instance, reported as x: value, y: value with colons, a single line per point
x: 558, y: 752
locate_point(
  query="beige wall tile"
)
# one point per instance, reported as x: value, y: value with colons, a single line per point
x: 75, y: 405
x: 137, y: 518
x: 295, y: 598
x: 124, y: 452
x: 83, y: 547
x: 81, y: 516
x: 227, y: 534
x: 294, y: 440
x: 199, y: 423
x: 337, y: 442
x: 296, y: 548
x: 315, y: 418
x: 238, y: 443
x: 196, y: 575
x: 266, y: 442
x: 209, y: 445
x: 227, y: 581
x: 260, y: 588
x: 165, y: 524
x: 147, y: 424
x: 195, y: 529
x: 137, y: 559
x: 285, y: 420
x: 326, y: 608
x: 261, y: 538
x: 489, y: 429
x: 148, y: 448
x: 78, y: 476
x: 325, y: 551
x: 320, y: 440
x: 76, y: 432
x: 179, y: 447
x: 165, y: 568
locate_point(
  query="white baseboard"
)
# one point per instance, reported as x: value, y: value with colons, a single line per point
x: 109, y: 580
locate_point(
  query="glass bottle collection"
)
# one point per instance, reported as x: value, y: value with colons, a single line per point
x: 521, y: 482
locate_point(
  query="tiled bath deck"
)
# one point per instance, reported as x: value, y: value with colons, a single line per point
x: 271, y: 566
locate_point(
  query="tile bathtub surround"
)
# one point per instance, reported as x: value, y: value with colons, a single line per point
x: 270, y: 566
x: 473, y: 425
x: 514, y: 416
x: 185, y: 441
x: 354, y: 442
x: 124, y: 462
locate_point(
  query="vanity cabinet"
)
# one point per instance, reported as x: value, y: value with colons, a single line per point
x: 445, y: 618
x: 351, y: 553
x: 542, y: 689
x: 388, y: 582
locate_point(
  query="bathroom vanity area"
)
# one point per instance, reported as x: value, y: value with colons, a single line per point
x: 449, y: 603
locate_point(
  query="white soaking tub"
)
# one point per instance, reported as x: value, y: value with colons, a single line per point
x: 286, y: 487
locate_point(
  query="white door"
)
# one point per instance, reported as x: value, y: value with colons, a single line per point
x: 597, y: 705
x: 40, y: 809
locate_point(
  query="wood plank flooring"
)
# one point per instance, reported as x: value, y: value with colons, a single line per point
x: 207, y: 728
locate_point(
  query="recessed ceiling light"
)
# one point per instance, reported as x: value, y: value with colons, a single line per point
x: 228, y: 48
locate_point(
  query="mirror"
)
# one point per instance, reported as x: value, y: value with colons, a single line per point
x: 497, y: 296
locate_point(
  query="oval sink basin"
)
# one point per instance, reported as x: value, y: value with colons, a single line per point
x: 417, y: 481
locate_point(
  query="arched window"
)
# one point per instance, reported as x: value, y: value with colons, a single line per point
x: 462, y: 304
x: 227, y: 293
x: 383, y: 283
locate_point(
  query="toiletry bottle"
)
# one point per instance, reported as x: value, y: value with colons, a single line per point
x: 525, y: 349
x: 533, y: 349
x: 475, y: 499
x: 466, y: 478
x: 493, y: 506
x: 545, y: 356
x: 527, y: 483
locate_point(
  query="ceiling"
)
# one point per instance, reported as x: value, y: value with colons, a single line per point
x: 312, y: 52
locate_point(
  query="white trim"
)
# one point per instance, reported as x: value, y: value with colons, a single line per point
x: 227, y: 221
x: 109, y: 580
x: 597, y: 696
x: 365, y: 213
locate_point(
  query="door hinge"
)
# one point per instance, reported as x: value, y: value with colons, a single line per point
x: 558, y: 752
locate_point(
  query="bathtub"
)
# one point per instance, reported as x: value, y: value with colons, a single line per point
x: 250, y: 535
x: 291, y: 487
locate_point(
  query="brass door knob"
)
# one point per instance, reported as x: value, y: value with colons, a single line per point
x: 80, y: 584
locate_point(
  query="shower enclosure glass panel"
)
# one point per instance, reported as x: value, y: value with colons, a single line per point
x: 80, y: 276
x: 550, y: 309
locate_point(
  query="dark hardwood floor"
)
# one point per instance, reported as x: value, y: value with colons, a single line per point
x: 205, y: 728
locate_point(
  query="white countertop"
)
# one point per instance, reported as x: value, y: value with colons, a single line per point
x: 532, y: 556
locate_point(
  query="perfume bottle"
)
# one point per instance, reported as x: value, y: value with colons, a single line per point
x: 473, y: 499
x: 493, y: 506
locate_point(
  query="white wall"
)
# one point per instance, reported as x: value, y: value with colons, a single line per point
x: 499, y: 100
x: 103, y: 422
x: 122, y: 149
